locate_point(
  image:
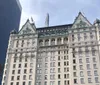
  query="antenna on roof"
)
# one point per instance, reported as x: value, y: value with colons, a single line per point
x: 47, y: 20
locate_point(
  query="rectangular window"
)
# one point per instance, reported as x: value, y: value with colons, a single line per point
x: 25, y: 65
x: 45, y: 83
x: 82, y: 80
x: 46, y: 71
x: 67, y: 63
x: 52, y: 83
x: 39, y: 65
x: 19, y: 66
x: 87, y: 60
x: 65, y: 69
x: 95, y: 73
x: 65, y: 82
x: 25, y: 71
x: 58, y: 57
x: 88, y: 66
x: 89, y: 73
x: 89, y: 80
x: 73, y: 55
x: 18, y: 77
x: 17, y: 43
x: 58, y: 52
x: 74, y: 67
x: 96, y: 80
x: 20, y: 59
x: 24, y: 83
x: 74, y: 74
x: 52, y: 70
x: 11, y: 83
x: 18, y: 71
x: 64, y: 63
x: 94, y: 59
x: 30, y: 83
x: 12, y: 78
x: 75, y: 81
x: 59, y: 70
x: 74, y: 61
x: 68, y: 82
x: 80, y: 60
x: 52, y: 76
x: 93, y: 53
x: 14, y: 59
x: 81, y: 74
x: 40, y: 71
x: 59, y: 82
x: 58, y: 76
x: 30, y: 77
x: 46, y: 65
x: 14, y: 65
x: 95, y: 66
x: 52, y: 64
x: 46, y: 77
x: 58, y: 63
x: 17, y: 83
x: 13, y: 71
x: 65, y: 76
x: 31, y: 71
x: 24, y: 77
x: 65, y: 57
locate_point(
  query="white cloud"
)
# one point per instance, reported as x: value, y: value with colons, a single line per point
x: 61, y: 12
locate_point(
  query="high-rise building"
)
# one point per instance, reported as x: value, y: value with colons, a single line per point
x: 1, y: 72
x: 10, y: 12
x: 54, y: 55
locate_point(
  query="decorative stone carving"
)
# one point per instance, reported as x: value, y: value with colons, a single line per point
x: 81, y: 24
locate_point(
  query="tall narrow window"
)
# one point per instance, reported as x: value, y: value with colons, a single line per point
x: 30, y: 83
x: 53, y: 42
x: 65, y: 40
x: 81, y: 73
x: 23, y: 83
x: 82, y: 80
x: 89, y: 80
x: 59, y: 83
x: 41, y: 42
x: 75, y: 81
x: 47, y: 42
x: 96, y: 79
x: 59, y: 41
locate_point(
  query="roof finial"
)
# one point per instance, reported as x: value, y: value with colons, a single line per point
x: 47, y: 20
x: 32, y: 21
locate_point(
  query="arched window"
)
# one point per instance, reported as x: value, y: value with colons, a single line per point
x: 47, y: 42
x: 65, y: 40
x: 52, y: 41
x: 59, y: 41
x: 41, y: 42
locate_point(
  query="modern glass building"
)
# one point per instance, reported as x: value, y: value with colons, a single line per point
x: 10, y: 13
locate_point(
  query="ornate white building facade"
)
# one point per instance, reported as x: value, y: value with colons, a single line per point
x: 54, y: 55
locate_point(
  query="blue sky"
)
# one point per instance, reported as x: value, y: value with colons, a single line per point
x: 60, y: 11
